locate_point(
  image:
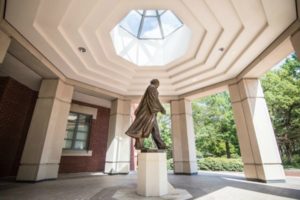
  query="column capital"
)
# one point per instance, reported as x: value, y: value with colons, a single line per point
x: 181, y: 106
x: 245, y: 88
x: 55, y: 88
x: 181, y: 99
x: 120, y: 106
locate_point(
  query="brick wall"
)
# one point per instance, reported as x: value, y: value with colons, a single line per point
x: 97, y: 143
x: 17, y: 103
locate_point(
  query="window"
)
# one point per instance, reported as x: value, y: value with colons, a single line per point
x: 151, y: 24
x: 77, y: 132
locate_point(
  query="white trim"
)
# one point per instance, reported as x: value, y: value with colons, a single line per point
x: 91, y: 99
x: 84, y: 110
x: 77, y: 152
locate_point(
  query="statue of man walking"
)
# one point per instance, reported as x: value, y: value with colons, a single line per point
x: 145, y: 118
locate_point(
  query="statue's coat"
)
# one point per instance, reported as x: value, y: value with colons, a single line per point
x: 145, y: 114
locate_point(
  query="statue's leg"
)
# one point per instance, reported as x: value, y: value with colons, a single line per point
x: 139, y: 143
x: 156, y: 137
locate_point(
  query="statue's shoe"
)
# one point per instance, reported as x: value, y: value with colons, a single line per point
x: 162, y: 146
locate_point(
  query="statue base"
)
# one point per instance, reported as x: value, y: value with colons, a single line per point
x: 152, y: 174
x: 153, y: 150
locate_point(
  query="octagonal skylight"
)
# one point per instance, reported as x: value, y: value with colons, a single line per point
x: 151, y: 24
x: 150, y: 37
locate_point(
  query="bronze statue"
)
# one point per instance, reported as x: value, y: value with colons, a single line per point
x: 145, y: 118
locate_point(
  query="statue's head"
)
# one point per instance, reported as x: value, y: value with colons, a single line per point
x: 155, y: 82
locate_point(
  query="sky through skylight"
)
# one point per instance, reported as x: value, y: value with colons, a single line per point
x: 151, y: 24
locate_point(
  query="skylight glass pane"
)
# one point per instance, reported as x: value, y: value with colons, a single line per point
x: 151, y: 28
x: 140, y: 11
x: 150, y: 24
x: 131, y: 23
x: 161, y: 11
x: 169, y: 22
x: 151, y: 13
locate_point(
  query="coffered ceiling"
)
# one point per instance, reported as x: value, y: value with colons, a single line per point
x: 227, y: 35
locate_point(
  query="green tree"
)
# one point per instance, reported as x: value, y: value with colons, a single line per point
x: 164, y: 122
x: 282, y: 92
x: 214, y: 126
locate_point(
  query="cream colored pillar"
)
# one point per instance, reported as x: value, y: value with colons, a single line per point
x: 257, y: 141
x: 295, y: 39
x: 118, y: 144
x: 45, y: 139
x: 4, y: 44
x: 184, y: 149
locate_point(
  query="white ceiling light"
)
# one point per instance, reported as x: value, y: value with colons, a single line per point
x: 82, y: 49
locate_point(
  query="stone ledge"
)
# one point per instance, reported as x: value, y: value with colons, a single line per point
x: 77, y: 153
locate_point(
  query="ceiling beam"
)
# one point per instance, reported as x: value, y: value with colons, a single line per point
x: 275, y: 52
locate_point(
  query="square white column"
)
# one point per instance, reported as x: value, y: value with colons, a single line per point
x: 4, y: 44
x: 183, y: 137
x: 256, y: 137
x: 45, y: 139
x: 118, y: 144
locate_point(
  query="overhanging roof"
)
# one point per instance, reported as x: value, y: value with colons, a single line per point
x: 226, y: 37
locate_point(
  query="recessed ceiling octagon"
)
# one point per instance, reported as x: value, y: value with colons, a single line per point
x: 223, y: 38
x: 150, y: 37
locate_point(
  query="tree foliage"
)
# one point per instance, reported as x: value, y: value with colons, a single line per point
x: 214, y: 126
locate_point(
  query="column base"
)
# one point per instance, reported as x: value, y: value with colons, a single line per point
x: 266, y: 181
x: 187, y: 173
x: 37, y: 172
x: 115, y: 168
x: 267, y: 173
x: 185, y: 167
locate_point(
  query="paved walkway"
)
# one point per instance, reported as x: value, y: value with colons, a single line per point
x: 204, y: 186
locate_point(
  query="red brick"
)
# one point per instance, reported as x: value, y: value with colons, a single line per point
x: 16, y: 108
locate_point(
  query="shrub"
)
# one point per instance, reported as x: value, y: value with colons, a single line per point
x: 220, y: 164
x: 295, y: 162
x: 170, y: 164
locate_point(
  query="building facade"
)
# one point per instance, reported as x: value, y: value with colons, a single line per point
x: 65, y: 108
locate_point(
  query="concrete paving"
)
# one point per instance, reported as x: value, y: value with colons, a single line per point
x: 204, y: 186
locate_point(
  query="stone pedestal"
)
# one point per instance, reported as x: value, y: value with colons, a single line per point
x: 152, y: 174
